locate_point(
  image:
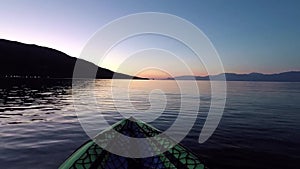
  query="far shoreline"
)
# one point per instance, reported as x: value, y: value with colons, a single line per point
x: 138, y: 79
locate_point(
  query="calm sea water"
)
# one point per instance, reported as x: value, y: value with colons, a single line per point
x: 39, y: 128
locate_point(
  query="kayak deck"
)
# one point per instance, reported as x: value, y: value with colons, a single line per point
x: 91, y: 155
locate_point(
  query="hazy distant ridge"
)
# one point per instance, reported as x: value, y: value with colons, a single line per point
x: 291, y: 76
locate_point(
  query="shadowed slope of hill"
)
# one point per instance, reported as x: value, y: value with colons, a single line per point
x: 24, y: 60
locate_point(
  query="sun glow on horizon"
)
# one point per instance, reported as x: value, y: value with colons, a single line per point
x: 153, y: 73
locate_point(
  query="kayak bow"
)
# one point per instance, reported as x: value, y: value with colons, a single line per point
x: 91, y: 155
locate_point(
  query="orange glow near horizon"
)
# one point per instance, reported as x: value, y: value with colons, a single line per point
x: 153, y: 73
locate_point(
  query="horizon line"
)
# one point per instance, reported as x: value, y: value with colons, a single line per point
x: 240, y: 73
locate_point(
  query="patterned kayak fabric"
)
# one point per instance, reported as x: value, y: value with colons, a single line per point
x: 91, y: 156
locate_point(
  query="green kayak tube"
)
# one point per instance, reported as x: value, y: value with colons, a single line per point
x: 92, y: 156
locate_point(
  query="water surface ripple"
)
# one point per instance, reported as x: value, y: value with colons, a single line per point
x: 260, y: 127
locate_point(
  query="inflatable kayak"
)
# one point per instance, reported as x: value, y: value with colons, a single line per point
x: 91, y: 156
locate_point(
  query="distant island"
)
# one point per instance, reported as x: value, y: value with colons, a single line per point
x: 291, y: 76
x: 32, y: 61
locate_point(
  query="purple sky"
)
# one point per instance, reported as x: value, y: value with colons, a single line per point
x: 250, y: 36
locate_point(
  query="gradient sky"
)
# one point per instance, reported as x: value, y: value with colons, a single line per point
x: 250, y: 36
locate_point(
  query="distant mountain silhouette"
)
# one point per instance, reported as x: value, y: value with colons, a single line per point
x: 292, y: 76
x: 24, y: 60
